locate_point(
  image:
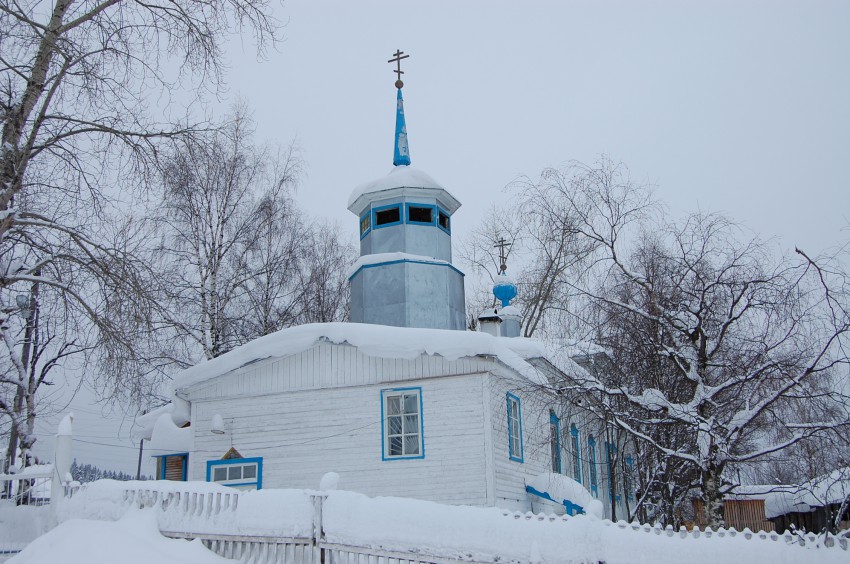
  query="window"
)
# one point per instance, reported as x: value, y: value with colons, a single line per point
x: 555, y: 441
x: 444, y: 221
x: 401, y: 422
x: 576, y: 453
x: 172, y: 467
x: 514, y: 428
x: 591, y: 450
x: 387, y: 216
x: 241, y: 473
x: 419, y: 213
x: 611, y: 459
x: 365, y: 225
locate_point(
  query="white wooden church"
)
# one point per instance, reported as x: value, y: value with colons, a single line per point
x: 403, y: 400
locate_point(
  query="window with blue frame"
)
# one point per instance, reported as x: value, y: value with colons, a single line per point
x: 386, y: 216
x: 401, y: 423
x: 444, y: 221
x: 421, y: 214
x: 591, y: 459
x: 611, y: 460
x: 555, y: 442
x: 514, y: 428
x: 576, y: 453
x: 241, y: 473
x: 365, y: 224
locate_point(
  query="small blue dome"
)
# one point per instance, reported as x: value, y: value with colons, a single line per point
x: 504, y: 289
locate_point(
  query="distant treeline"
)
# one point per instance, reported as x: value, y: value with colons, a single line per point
x: 85, y: 473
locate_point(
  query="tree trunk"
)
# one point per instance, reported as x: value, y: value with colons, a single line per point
x: 711, y: 496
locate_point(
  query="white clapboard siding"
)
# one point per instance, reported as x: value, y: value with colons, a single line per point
x: 305, y: 433
x: 329, y: 365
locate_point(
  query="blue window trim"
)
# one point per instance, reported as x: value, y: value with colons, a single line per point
x: 627, y: 486
x: 382, y: 208
x: 594, y: 474
x: 421, y: 454
x: 511, y: 454
x: 609, y: 447
x: 432, y: 207
x: 369, y: 229
x: 258, y: 459
x: 556, y: 423
x: 413, y: 261
x: 448, y: 215
x: 574, y: 433
x: 184, y: 455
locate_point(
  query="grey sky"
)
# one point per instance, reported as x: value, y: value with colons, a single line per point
x: 739, y: 107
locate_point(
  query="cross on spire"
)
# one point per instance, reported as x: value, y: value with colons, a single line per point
x: 397, y: 57
x: 503, y: 256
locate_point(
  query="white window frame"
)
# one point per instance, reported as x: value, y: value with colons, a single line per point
x: 410, y: 432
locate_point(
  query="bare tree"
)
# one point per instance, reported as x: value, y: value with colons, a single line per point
x: 712, y: 330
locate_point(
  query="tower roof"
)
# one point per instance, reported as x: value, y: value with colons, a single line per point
x: 401, y: 180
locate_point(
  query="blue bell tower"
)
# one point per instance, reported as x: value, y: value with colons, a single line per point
x: 405, y: 276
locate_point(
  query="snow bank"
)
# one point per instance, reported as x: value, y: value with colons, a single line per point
x: 398, y: 177
x: 561, y: 489
x: 373, y: 340
x: 21, y: 524
x: 135, y: 539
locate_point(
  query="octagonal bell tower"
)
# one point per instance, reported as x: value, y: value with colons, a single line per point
x: 405, y: 276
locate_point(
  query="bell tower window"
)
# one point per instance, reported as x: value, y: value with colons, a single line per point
x: 388, y: 215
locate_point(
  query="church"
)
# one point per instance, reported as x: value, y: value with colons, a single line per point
x: 402, y: 400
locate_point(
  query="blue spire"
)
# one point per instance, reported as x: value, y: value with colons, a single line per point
x: 402, y: 151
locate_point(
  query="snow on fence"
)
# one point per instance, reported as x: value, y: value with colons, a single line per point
x: 302, y: 526
x: 28, y: 488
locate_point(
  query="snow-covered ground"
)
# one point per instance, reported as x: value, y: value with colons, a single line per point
x: 103, y: 524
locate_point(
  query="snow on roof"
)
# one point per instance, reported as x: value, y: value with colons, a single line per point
x: 177, y: 408
x: 167, y: 438
x: 398, y: 177
x: 373, y: 340
x: 824, y: 490
x: 383, y: 258
x: 562, y: 489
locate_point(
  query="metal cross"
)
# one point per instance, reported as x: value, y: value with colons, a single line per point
x: 397, y: 57
x: 501, y: 245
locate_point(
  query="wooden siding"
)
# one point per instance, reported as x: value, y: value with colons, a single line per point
x: 303, y: 434
x: 329, y: 365
x: 737, y: 513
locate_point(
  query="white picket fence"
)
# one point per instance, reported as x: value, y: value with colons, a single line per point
x: 314, y: 549
x: 32, y: 488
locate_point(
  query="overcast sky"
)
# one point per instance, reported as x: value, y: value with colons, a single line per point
x: 736, y: 107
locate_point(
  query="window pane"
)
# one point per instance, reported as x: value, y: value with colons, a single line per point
x: 249, y: 471
x: 364, y: 224
x: 411, y: 403
x: 411, y: 444
x: 444, y: 221
x: 393, y: 405
x: 395, y: 446
x: 420, y: 215
x: 391, y: 215
x: 394, y: 425
x: 411, y: 424
x: 234, y: 473
x: 219, y: 474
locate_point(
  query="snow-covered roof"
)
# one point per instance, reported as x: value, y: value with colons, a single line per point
x: 168, y: 438
x: 177, y: 409
x: 373, y: 340
x: 824, y: 490
x: 399, y: 177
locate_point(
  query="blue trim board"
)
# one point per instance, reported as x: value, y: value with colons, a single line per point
x: 594, y: 473
x: 413, y: 261
x: 556, y: 422
x: 232, y: 461
x: 569, y: 506
x: 511, y: 453
x: 382, y: 208
x: 421, y: 454
x: 432, y: 207
x: 611, y: 471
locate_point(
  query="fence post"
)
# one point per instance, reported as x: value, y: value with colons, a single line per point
x: 318, y: 533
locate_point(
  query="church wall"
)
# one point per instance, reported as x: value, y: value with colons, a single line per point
x: 303, y: 434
